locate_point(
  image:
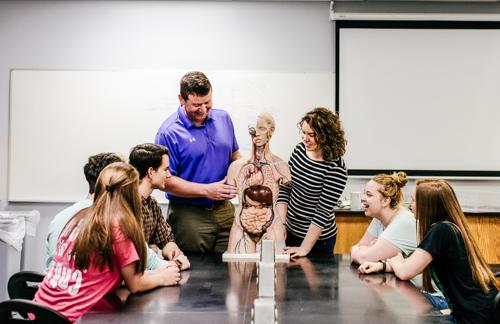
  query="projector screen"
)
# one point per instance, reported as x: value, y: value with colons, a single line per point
x: 421, y: 99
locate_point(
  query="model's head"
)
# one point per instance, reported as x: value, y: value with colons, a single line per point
x: 94, y: 166
x: 263, y: 129
x: 320, y: 129
x: 384, y: 191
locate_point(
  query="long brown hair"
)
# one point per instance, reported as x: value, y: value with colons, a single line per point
x: 116, y: 197
x: 328, y: 132
x: 436, y: 202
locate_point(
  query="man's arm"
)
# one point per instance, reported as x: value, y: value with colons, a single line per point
x: 214, y: 191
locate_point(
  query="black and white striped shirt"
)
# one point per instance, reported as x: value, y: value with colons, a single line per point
x: 314, y: 192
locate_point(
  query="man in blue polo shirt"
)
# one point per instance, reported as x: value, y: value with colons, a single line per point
x: 202, y: 145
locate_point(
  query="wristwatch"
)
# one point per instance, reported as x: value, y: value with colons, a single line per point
x: 384, y: 266
x: 178, y: 263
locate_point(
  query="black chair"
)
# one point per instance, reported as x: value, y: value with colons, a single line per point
x: 24, y: 284
x: 10, y: 309
x: 496, y: 303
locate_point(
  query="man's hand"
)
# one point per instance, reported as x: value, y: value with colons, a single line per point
x: 171, y: 251
x: 220, y: 190
x: 184, y: 261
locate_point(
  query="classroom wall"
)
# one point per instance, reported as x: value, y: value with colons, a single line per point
x: 255, y: 36
x: 262, y: 36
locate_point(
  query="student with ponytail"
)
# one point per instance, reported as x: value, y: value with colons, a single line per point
x: 392, y: 229
x: 448, y: 254
x: 99, y: 249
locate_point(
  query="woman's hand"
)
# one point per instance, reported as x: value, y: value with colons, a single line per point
x: 169, y: 275
x: 296, y: 251
x: 370, y: 267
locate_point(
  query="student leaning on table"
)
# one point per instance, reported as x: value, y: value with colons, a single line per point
x: 392, y: 229
x: 95, y: 253
x: 448, y: 253
x: 151, y: 161
x: 95, y: 164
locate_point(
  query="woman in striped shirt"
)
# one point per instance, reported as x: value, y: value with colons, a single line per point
x: 318, y: 179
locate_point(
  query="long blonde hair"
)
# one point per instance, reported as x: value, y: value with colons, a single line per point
x: 116, y: 196
x: 436, y: 202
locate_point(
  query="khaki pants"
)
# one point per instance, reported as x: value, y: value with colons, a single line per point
x: 201, y: 229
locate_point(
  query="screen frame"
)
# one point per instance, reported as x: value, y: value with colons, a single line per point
x: 397, y: 24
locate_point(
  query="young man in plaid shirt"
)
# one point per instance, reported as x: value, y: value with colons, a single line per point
x: 152, y: 163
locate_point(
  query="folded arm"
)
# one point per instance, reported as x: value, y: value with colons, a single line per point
x: 380, y: 250
x: 137, y: 282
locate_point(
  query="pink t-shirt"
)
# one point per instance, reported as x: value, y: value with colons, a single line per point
x: 72, y: 291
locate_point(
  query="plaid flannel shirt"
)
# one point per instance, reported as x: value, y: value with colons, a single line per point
x: 156, y: 229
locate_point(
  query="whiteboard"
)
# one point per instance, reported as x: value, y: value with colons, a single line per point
x: 59, y: 118
x: 420, y: 99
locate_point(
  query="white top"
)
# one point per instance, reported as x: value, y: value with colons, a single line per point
x: 402, y: 231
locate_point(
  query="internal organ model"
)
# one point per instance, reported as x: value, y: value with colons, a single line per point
x: 258, y: 179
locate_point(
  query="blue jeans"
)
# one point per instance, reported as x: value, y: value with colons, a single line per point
x: 321, y: 246
x: 440, y: 303
x: 437, y: 301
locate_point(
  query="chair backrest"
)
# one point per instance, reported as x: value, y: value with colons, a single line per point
x: 496, y: 303
x: 10, y: 309
x: 496, y: 308
x: 22, y: 285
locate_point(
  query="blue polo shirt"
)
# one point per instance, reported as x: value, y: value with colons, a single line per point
x: 198, y: 154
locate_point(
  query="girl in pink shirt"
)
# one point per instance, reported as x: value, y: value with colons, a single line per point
x: 101, y: 247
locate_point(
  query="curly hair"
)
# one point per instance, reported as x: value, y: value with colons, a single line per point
x: 328, y: 132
